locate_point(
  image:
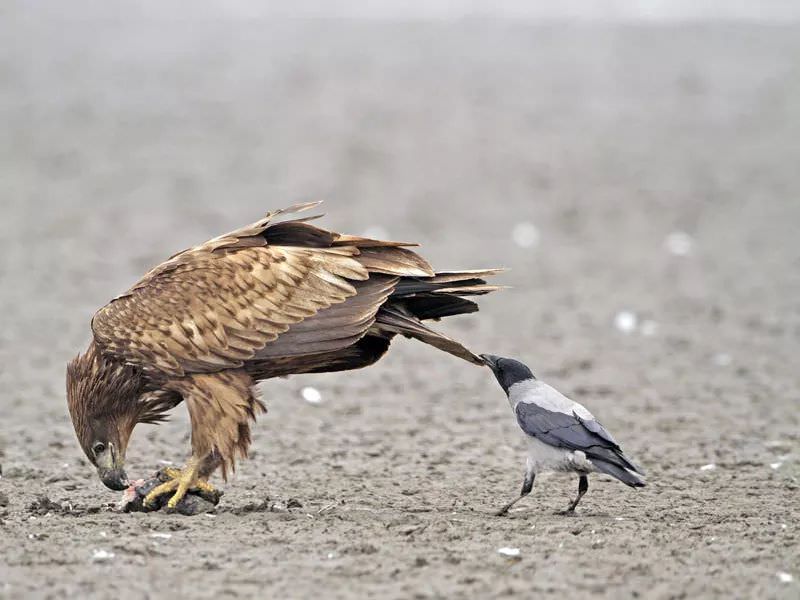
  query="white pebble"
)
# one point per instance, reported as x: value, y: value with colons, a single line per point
x: 102, y: 556
x: 525, y: 235
x: 722, y: 359
x: 311, y: 395
x: 708, y: 467
x: 785, y: 577
x: 375, y: 232
x: 103, y: 534
x: 512, y: 552
x: 165, y: 462
x: 625, y: 321
x: 776, y: 444
x: 330, y: 555
x: 649, y: 328
x: 775, y: 465
x: 679, y: 243
x: 161, y: 536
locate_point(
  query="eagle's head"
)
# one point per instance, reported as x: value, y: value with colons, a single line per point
x: 103, y: 400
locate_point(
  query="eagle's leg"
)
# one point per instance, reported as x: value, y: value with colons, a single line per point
x: 191, y: 477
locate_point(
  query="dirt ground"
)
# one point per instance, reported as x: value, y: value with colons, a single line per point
x: 127, y: 139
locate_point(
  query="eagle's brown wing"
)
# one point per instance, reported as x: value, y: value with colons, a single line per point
x: 214, y: 311
x: 217, y: 305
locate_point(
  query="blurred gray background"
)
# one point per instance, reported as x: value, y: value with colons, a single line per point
x: 634, y: 164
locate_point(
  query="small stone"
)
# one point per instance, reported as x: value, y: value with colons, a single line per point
x: 679, y: 243
x: 722, y: 359
x: 708, y: 467
x: 509, y: 552
x: 777, y: 445
x: 625, y: 321
x: 311, y: 395
x: 525, y: 235
x: 278, y: 506
x: 102, y: 556
x: 649, y: 328
x: 785, y: 577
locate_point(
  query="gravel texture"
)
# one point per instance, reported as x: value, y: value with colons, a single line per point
x: 642, y: 184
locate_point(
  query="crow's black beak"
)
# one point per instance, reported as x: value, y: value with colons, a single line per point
x: 490, y: 360
x: 114, y: 479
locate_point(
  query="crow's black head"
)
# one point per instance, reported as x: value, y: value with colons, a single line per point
x: 507, y: 370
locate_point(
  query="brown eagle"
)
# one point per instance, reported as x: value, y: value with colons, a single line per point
x: 267, y: 300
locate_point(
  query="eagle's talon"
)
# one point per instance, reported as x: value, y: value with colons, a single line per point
x: 180, y: 482
x: 169, y: 473
x: 177, y: 497
x: 164, y: 488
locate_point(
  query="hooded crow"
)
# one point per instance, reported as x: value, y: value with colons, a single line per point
x: 562, y: 435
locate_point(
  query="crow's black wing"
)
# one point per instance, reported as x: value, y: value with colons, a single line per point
x: 569, y: 431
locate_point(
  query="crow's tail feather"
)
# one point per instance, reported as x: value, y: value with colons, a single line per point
x: 626, y: 476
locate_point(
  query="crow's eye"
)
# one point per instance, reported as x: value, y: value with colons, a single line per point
x: 98, y: 448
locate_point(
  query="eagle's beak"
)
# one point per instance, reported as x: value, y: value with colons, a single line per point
x: 490, y: 360
x: 110, y: 470
x: 114, y: 479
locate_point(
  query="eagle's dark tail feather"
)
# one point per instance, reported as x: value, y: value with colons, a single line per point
x: 419, y: 298
x: 443, y: 295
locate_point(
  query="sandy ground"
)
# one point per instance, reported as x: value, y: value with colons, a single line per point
x: 125, y: 140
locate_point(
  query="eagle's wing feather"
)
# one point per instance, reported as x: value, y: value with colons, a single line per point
x: 335, y: 327
x: 214, y: 307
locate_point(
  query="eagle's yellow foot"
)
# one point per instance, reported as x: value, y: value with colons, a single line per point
x: 179, y: 482
x: 164, y: 488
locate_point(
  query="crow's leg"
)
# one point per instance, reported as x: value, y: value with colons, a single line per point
x: 583, y: 486
x: 527, y: 486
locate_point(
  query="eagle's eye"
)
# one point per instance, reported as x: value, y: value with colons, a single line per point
x: 98, y: 448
